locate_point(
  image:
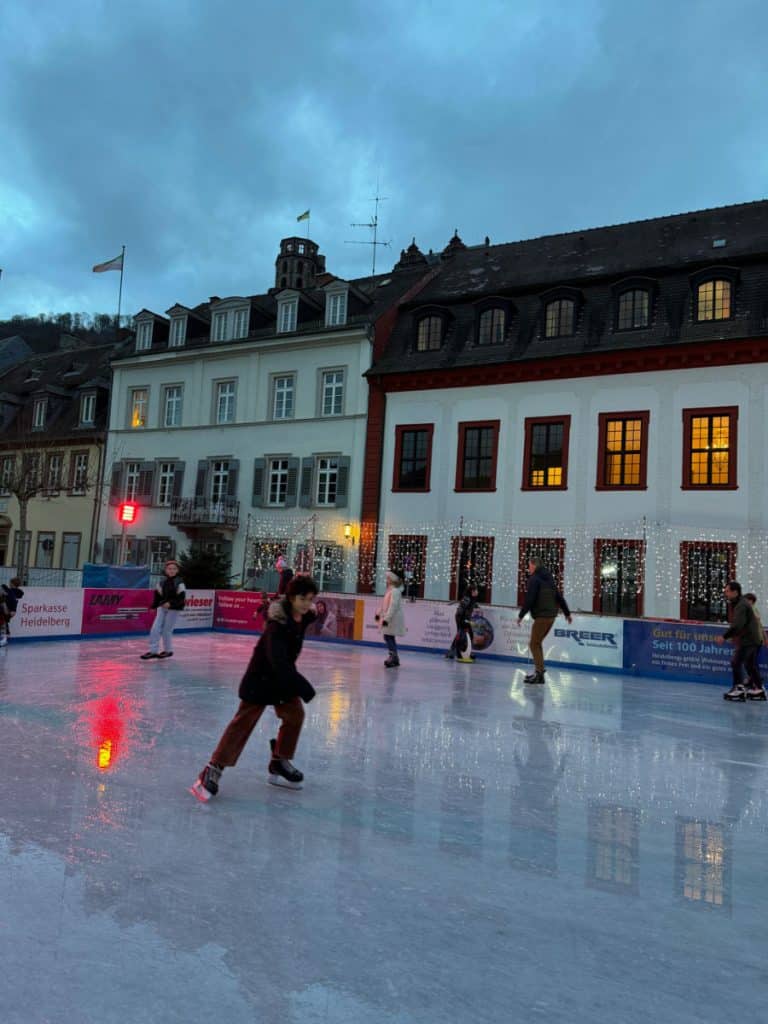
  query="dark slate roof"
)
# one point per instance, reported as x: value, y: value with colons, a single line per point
x: 666, y: 251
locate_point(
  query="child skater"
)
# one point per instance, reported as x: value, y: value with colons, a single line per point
x: 169, y: 599
x: 271, y: 678
x: 461, y: 647
x: 9, y: 602
x: 391, y: 617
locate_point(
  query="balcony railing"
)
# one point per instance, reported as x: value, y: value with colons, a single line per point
x: 202, y: 512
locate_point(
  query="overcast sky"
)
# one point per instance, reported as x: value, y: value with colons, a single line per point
x: 195, y: 132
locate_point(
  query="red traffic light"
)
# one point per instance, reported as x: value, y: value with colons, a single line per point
x: 127, y: 512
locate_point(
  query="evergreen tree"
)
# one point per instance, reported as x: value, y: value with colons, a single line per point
x: 205, y: 570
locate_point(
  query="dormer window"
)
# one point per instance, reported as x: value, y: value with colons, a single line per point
x: 335, y: 309
x: 287, y: 310
x: 240, y: 323
x: 220, y: 326
x: 88, y: 409
x: 560, y: 318
x: 39, y: 413
x: 144, y: 335
x: 633, y: 309
x: 492, y: 327
x: 714, y: 300
x: 178, y: 331
x: 429, y: 335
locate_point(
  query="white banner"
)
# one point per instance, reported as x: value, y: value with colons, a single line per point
x: 198, y: 610
x: 48, y: 611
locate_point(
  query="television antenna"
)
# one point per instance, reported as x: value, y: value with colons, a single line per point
x: 373, y: 225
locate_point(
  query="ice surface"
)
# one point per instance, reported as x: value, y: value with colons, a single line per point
x: 465, y: 848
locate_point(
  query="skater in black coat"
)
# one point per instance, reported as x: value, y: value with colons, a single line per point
x: 464, y: 611
x: 271, y: 678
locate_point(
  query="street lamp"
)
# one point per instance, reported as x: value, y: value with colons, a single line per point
x: 126, y: 515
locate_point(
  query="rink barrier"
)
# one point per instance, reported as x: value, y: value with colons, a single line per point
x: 664, y: 649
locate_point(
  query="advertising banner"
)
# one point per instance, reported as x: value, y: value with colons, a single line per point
x: 198, y: 610
x: 238, y: 609
x: 116, y: 611
x: 680, y: 650
x: 335, y: 618
x: 48, y: 611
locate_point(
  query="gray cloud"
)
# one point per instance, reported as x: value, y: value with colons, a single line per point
x: 195, y: 133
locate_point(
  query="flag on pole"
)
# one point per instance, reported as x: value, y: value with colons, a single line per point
x: 303, y: 216
x: 115, y: 264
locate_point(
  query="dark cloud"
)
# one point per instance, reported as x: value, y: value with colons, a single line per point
x: 195, y: 133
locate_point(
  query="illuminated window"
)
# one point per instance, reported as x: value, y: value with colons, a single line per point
x: 619, y: 572
x: 623, y: 450
x: 560, y: 318
x: 139, y: 399
x: 634, y: 309
x: 709, y: 441
x: 705, y: 568
x: 551, y: 550
x: 703, y: 862
x: 430, y: 334
x: 492, y: 327
x: 713, y: 300
x: 409, y: 552
x: 545, y: 462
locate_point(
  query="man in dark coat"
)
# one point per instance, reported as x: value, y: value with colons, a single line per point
x: 746, y: 632
x: 271, y: 678
x: 542, y: 600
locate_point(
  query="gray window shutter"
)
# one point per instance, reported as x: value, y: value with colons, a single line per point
x: 259, y: 472
x: 307, y: 470
x: 109, y: 551
x: 201, y: 483
x: 178, y: 478
x: 291, y: 486
x: 115, y: 488
x: 144, y: 494
x: 142, y: 550
x: 232, y: 477
x: 342, y: 482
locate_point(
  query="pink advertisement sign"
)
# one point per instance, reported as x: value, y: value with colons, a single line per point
x: 117, y: 611
x: 238, y: 609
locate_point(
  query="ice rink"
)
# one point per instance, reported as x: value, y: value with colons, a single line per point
x: 465, y: 848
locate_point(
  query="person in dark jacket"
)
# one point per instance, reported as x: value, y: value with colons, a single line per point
x: 9, y: 602
x: 746, y: 632
x: 271, y: 678
x: 542, y: 600
x: 169, y: 599
x: 461, y: 646
x: 285, y: 573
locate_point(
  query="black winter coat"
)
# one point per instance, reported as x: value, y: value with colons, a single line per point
x: 271, y: 676
x: 171, y: 590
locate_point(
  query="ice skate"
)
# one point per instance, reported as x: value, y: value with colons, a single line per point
x: 148, y: 655
x: 392, y: 663
x: 282, y: 772
x: 535, y: 678
x: 207, y: 783
x: 165, y: 654
x: 736, y: 693
x: 756, y: 693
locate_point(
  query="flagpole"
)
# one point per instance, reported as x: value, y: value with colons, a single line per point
x: 120, y: 291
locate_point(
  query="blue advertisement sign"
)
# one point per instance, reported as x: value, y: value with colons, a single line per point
x: 678, y: 650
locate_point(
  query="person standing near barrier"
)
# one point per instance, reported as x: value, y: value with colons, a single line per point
x: 169, y: 599
x: 391, y: 617
x: 542, y: 600
x: 9, y: 601
x: 746, y: 632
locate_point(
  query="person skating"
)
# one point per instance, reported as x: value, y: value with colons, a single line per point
x: 285, y: 572
x: 169, y: 599
x: 391, y: 617
x: 461, y: 645
x: 542, y: 600
x: 9, y: 602
x: 270, y: 679
x: 747, y: 635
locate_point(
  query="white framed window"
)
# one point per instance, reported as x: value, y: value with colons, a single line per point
x: 178, y: 331
x: 53, y: 474
x: 160, y: 550
x: 39, y: 413
x: 286, y: 318
x: 144, y: 335
x: 172, y: 399
x: 165, y: 478
x: 335, y: 309
x: 327, y: 476
x: 7, y: 468
x: 240, y: 323
x: 220, y: 326
x: 80, y: 473
x: 132, y: 471
x: 219, y: 480
x: 332, y: 398
x: 17, y: 546
x: 70, y: 550
x: 225, y: 401
x: 87, y: 410
x: 139, y: 400
x: 283, y: 388
x: 278, y: 481
x: 46, y: 541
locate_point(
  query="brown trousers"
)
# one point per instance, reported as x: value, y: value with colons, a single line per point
x: 238, y: 732
x: 539, y: 630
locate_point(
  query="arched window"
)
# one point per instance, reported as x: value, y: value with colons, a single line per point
x: 430, y: 334
x: 492, y: 327
x: 634, y: 309
x: 560, y: 318
x: 714, y: 300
